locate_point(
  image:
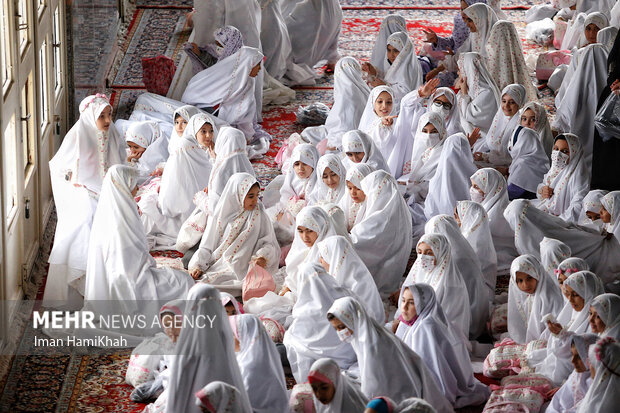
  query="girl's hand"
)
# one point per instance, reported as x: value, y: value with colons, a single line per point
x: 195, y: 273
x: 284, y: 290
x: 428, y: 88
x: 395, y: 324
x: 388, y: 120
x: 615, y: 86
x: 157, y: 172
x: 555, y: 328
x: 368, y: 68
x: 376, y: 82
x: 463, y: 85
x: 448, y: 52
x: 261, y: 262
x: 474, y: 136
x: 431, y: 36
x: 478, y: 157
x: 546, y: 192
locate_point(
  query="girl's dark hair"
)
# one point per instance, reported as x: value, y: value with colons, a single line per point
x: 330, y: 316
x: 256, y: 184
x: 177, y: 116
x: 560, y: 137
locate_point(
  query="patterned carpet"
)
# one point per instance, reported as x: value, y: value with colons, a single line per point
x: 96, y: 384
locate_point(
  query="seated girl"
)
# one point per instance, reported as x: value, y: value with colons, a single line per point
x: 424, y: 327
x: 187, y: 172
x: 493, y: 148
x: 534, y: 116
x: 591, y: 209
x: 392, y: 23
x: 605, y: 316
x: 434, y: 266
x: 231, y: 305
x: 330, y: 184
x: 566, y: 184
x: 260, y: 364
x: 333, y: 391
x: 610, y: 213
x: 427, y: 98
x: 353, y: 203
x: 474, y: 224
x: 146, y: 145
x: 387, y: 365
x: 382, y: 238
x: 296, y: 191
x: 602, y: 396
x: 566, y: 268
x: 359, y: 147
x: 229, y: 85
x: 568, y: 397
x: 309, y: 337
x: 404, y: 73
x: 239, y: 234
x: 532, y: 294
x: 554, y: 361
x: 552, y: 253
x: 341, y: 261
x: 378, y: 118
x: 528, y: 166
x: 219, y: 396
x: 226, y: 41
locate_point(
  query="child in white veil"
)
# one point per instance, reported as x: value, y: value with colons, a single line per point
x: 391, y: 24
x: 378, y: 118
x: 353, y: 203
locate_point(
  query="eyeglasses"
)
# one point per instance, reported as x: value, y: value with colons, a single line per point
x: 446, y: 105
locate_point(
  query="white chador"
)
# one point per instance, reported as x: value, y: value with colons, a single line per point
x: 322, y: 193
x: 348, y: 396
x: 354, y: 211
x: 382, y: 238
x: 234, y: 236
x: 311, y: 336
x: 187, y: 172
x: 358, y: 141
x: 120, y: 267
x: 391, y: 24
x: 405, y: 72
x: 77, y: 172
x: 388, y: 367
x: 148, y: 135
x: 372, y: 124
x: 442, y: 346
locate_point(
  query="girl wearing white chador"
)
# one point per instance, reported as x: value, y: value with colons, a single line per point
x: 531, y: 225
x: 552, y: 254
x: 354, y: 211
x: 442, y: 346
x: 382, y: 238
x: 494, y: 199
x: 203, y: 358
x: 147, y: 135
x: 611, y: 203
x: 479, y: 105
x: 556, y: 364
x: 358, y: 141
x: 187, y: 172
x: 351, y: 273
x: 405, y: 72
x: 412, y: 107
x: 494, y: 146
x: 77, y: 172
x: 474, y: 223
x: 466, y: 262
x: 529, y: 161
x: 569, y: 179
x: 260, y: 365
x: 484, y: 18
x: 440, y: 272
x: 450, y: 183
x: 392, y: 23
x: 592, y: 203
x: 541, y: 125
x: 372, y: 124
x: 350, y: 94
x: 602, y: 396
x: 120, y: 267
x: 314, y: 28
x: 310, y: 336
x: 607, y: 307
x: 322, y: 193
x: 222, y: 397
x: 229, y: 85
x: 348, y: 396
x: 525, y: 310
x: 235, y: 236
x: 387, y: 365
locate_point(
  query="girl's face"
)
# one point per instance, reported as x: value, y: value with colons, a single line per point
x: 424, y: 249
x: 302, y: 170
x: 105, y: 119
x: 528, y: 119
x: 526, y: 282
x: 251, y: 199
x: 429, y: 128
x: 509, y: 106
x: 255, y: 70
x: 576, y: 360
x: 443, y: 101
x: 357, y: 195
x: 324, y: 392
x: 392, y: 53
x: 324, y: 264
x: 204, y: 136
x: 605, y: 215
x: 590, y: 32
x: 355, y: 157
x: 593, y: 215
x: 407, y: 305
x: 562, y: 146
x: 469, y: 22
x: 136, y: 149
x: 307, y: 236
x: 179, y: 125
x: 230, y: 309
x: 477, y: 188
x: 383, y: 104
x: 561, y: 278
x: 574, y: 299
x: 596, y: 324
x: 330, y: 178
x: 172, y: 326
